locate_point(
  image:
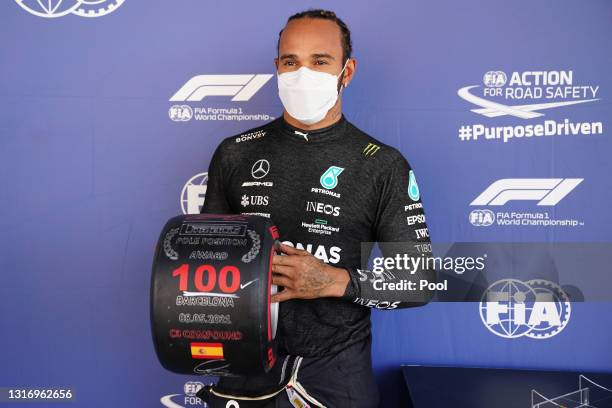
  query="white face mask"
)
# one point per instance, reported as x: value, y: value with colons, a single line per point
x: 307, y: 95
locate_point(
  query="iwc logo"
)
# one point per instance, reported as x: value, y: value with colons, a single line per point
x: 537, y: 308
x: 61, y: 8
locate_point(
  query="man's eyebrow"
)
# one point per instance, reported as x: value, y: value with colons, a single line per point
x: 288, y: 56
x: 323, y: 55
x: 317, y: 55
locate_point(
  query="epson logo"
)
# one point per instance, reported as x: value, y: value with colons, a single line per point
x: 323, y: 208
x: 415, y: 219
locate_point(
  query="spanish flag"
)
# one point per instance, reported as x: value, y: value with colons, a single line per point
x: 207, y: 350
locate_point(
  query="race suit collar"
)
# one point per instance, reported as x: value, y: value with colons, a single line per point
x: 330, y: 132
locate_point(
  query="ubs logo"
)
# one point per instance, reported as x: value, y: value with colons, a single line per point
x: 247, y: 200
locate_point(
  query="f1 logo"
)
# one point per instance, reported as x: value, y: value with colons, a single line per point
x: 241, y: 87
x: 545, y: 191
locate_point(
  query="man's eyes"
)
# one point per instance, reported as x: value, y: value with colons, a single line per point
x: 317, y: 62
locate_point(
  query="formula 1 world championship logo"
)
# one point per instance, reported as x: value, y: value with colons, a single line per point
x: 240, y: 87
x: 537, y: 308
x: 208, y: 88
x: 60, y: 8
x: 546, y: 191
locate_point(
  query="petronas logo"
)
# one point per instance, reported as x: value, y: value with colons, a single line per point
x: 413, y: 188
x: 329, y: 179
x: 370, y: 149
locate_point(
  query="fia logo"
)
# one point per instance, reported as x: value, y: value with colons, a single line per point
x: 180, y: 113
x: 482, y: 218
x: 495, y: 79
x: 60, y: 8
x: 190, y: 389
x: 329, y: 179
x: 193, y: 194
x: 537, y: 308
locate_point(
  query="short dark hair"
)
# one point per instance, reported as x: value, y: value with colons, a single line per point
x: 345, y: 33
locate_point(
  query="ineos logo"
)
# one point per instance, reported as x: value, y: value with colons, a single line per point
x: 323, y: 208
x: 260, y: 169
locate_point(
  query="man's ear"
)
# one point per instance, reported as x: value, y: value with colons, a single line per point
x: 350, y: 70
x: 276, y: 63
x: 344, y: 78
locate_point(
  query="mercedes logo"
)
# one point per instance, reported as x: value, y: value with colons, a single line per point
x: 260, y: 169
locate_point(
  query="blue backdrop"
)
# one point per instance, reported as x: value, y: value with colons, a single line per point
x: 95, y: 157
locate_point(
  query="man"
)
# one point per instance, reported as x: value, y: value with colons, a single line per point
x: 329, y: 187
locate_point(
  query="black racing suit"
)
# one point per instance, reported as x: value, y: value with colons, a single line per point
x: 328, y: 190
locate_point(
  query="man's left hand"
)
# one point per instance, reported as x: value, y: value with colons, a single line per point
x: 305, y: 277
